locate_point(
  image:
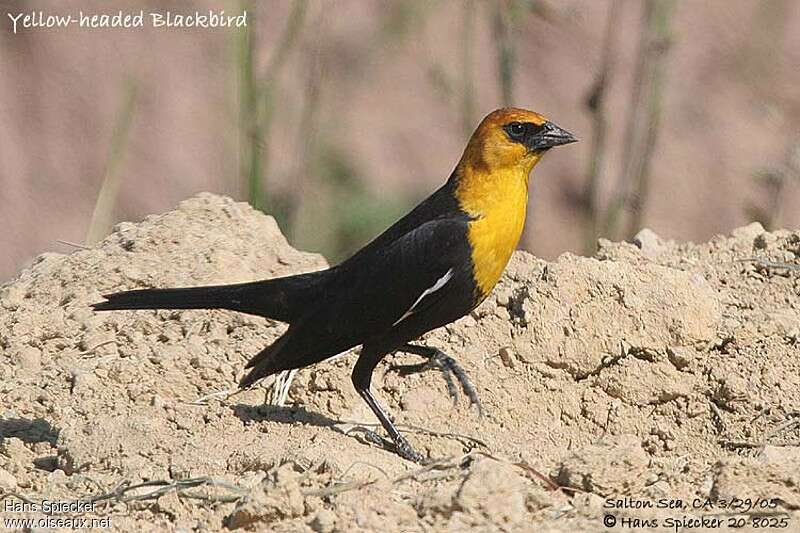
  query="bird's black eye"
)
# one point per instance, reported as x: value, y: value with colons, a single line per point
x: 516, y: 130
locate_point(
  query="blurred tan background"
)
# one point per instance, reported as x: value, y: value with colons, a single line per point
x: 338, y: 115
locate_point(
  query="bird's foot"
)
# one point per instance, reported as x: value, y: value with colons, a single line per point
x: 399, y: 446
x: 371, y: 436
x: 404, y: 450
x: 451, y: 370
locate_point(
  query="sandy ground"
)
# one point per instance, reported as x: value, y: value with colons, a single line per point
x: 654, y: 374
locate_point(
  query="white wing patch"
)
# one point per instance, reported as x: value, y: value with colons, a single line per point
x: 441, y: 282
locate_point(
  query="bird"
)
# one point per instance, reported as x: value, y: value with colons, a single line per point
x: 430, y: 268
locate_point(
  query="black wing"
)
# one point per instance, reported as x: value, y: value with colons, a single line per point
x: 441, y: 204
x: 420, y: 281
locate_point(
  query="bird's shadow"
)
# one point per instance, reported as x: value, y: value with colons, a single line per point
x: 294, y: 415
x: 32, y: 431
x: 283, y: 414
x: 29, y: 431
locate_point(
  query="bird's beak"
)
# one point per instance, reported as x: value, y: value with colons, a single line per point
x: 549, y: 136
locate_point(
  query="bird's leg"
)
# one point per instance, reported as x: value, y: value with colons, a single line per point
x: 450, y: 368
x: 404, y: 448
x: 362, y: 376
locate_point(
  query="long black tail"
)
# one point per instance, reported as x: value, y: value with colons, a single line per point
x: 281, y: 299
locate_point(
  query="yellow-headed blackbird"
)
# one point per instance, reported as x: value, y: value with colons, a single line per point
x: 430, y: 268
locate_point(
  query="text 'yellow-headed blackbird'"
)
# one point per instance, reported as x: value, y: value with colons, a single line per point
x: 430, y: 268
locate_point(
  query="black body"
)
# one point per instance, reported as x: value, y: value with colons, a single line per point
x: 416, y: 276
x: 356, y: 302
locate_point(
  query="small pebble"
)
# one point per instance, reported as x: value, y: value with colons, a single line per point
x: 507, y: 357
x: 7, y: 480
x: 503, y: 297
x: 748, y: 232
x: 680, y: 356
x: 502, y: 313
x: 324, y: 521
x: 648, y: 242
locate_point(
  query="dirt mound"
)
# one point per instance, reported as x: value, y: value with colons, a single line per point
x: 655, y: 370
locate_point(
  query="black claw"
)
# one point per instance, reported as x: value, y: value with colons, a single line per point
x: 405, y: 370
x: 400, y: 446
x: 404, y: 450
x: 450, y: 368
x: 370, y: 436
x: 447, y: 373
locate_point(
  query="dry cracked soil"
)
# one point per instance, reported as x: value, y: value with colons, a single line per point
x: 652, y: 375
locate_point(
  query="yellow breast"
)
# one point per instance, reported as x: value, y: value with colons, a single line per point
x: 499, y: 205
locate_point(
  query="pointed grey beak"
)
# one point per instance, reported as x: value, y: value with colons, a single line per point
x: 549, y: 136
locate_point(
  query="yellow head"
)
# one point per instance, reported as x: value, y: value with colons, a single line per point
x: 511, y: 138
x: 491, y: 183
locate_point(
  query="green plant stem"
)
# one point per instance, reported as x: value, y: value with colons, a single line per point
x: 595, y: 102
x: 658, y: 19
x: 103, y: 213
x: 504, y: 34
x: 644, y: 118
x: 467, y: 81
x: 257, y: 99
